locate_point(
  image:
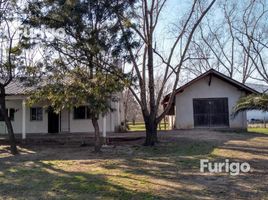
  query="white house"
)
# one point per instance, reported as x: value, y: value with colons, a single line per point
x: 207, y: 102
x: 36, y: 119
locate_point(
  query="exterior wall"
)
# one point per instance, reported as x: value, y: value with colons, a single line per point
x: 17, y: 123
x: 201, y: 89
x: 85, y: 125
x: 31, y: 126
x: 67, y: 121
x: 36, y: 126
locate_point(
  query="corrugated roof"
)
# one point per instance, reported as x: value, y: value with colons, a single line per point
x: 17, y: 87
x: 20, y: 86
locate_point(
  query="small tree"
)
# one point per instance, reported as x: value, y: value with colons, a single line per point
x: 77, y: 88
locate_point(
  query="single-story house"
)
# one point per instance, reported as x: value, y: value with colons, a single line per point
x: 207, y: 102
x: 38, y: 120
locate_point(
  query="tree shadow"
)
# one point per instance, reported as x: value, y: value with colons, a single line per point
x: 43, y: 181
x: 171, y: 169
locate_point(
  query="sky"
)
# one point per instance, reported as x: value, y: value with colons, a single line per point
x: 172, y: 13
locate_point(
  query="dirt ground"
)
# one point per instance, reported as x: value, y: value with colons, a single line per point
x: 127, y: 170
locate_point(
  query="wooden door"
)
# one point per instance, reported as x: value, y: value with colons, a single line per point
x: 53, y: 121
x: 211, y: 112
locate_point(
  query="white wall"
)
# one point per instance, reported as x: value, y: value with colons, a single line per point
x: 17, y: 123
x: 36, y: 126
x: 85, y: 125
x: 201, y: 89
x: 65, y: 120
x: 68, y: 123
x: 31, y: 126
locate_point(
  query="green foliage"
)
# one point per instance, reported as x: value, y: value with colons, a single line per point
x: 77, y: 88
x: 251, y: 102
x: 82, y: 52
x: 89, y: 28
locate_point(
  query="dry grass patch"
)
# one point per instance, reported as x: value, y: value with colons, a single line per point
x: 168, y: 171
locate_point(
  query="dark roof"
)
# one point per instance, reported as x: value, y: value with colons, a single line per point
x: 218, y: 75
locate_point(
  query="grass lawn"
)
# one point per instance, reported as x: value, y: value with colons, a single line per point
x: 258, y: 130
x: 168, y: 171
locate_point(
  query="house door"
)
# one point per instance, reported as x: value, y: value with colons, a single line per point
x: 211, y: 112
x: 53, y: 121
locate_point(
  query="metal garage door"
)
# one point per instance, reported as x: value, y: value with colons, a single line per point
x: 212, y: 112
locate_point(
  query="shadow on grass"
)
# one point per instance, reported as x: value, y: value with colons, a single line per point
x: 43, y: 181
x: 168, y: 171
x: 28, y: 176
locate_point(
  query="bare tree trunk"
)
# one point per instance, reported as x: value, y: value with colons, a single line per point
x: 97, y: 134
x: 148, y: 14
x: 151, y: 131
x: 3, y: 112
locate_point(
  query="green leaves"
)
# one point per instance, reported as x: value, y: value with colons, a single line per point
x: 81, y: 68
x: 251, y: 102
x: 78, y: 88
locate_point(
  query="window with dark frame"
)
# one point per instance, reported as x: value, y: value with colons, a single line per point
x: 36, y: 114
x: 81, y: 112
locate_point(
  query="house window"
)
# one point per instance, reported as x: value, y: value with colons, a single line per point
x: 11, y: 114
x: 81, y: 112
x: 36, y: 114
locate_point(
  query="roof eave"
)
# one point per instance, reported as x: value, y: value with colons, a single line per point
x: 213, y: 72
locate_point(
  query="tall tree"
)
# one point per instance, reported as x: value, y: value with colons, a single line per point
x: 254, y: 31
x: 225, y: 42
x: 144, y: 22
x: 9, y: 61
x: 82, y: 33
x: 84, y: 38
